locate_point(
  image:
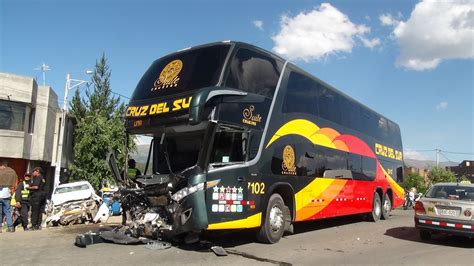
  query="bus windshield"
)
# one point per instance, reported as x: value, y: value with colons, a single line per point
x: 182, y: 72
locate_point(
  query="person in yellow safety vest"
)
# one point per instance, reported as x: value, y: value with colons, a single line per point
x: 22, y: 197
x: 132, y: 172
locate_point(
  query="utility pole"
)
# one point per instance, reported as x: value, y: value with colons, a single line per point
x: 437, y: 157
x: 43, y: 68
x: 62, y: 126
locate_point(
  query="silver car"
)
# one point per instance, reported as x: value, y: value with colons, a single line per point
x: 447, y: 208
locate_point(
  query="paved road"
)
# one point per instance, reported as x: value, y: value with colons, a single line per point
x: 347, y: 241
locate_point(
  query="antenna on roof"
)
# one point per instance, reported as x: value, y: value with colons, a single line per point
x: 43, y: 68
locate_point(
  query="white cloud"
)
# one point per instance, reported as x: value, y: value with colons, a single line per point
x: 258, y: 24
x: 319, y: 33
x: 435, y: 31
x: 442, y: 106
x: 415, y: 155
x: 388, y: 20
x: 370, y: 43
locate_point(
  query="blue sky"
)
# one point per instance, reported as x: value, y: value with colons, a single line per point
x: 409, y: 60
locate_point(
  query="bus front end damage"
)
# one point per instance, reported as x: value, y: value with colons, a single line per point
x: 158, y: 207
x: 164, y: 206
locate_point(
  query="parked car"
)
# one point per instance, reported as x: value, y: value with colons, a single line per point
x: 73, y: 191
x: 72, y: 203
x: 447, y: 208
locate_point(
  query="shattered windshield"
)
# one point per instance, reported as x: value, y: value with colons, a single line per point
x: 229, y: 146
x: 61, y: 190
x: 141, y: 151
x: 176, y: 152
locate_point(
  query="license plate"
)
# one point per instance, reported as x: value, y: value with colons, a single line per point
x: 447, y: 212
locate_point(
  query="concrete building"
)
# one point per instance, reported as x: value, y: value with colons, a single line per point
x: 465, y: 168
x: 29, y: 125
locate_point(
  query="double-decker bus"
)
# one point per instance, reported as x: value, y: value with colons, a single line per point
x: 242, y: 138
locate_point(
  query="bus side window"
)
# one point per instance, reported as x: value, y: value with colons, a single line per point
x: 354, y: 164
x: 329, y: 106
x: 301, y: 95
x: 253, y: 72
x: 368, y: 167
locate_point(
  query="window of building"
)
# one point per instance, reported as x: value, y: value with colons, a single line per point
x: 31, y: 121
x: 12, y: 115
x: 253, y: 72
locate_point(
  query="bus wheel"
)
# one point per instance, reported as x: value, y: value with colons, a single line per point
x: 374, y: 216
x: 273, y: 227
x: 386, y: 207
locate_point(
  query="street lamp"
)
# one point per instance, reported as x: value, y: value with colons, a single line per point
x: 59, y: 153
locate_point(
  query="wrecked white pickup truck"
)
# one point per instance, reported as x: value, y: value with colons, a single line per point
x: 72, y: 203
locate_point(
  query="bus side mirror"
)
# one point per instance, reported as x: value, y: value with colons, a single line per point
x: 203, y: 97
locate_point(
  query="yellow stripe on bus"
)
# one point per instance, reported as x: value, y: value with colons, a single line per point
x: 326, y: 189
x: 399, y: 191
x: 249, y: 222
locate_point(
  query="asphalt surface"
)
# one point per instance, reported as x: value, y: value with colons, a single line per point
x: 340, y: 241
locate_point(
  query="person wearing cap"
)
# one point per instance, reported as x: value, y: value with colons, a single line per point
x: 37, y: 197
x: 22, y: 197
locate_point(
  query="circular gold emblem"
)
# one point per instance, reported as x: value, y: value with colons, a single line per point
x: 171, y: 71
x: 288, y: 158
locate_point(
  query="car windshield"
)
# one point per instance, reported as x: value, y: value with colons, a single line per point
x: 453, y: 192
x: 61, y: 190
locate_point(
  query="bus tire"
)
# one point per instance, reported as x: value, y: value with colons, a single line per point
x: 374, y: 216
x: 273, y: 225
x: 386, y: 207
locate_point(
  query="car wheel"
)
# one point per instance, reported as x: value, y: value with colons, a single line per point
x: 273, y: 226
x: 386, y: 207
x: 425, y: 235
x: 374, y: 216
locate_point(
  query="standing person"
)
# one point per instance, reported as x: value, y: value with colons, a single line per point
x: 37, y: 197
x: 22, y: 197
x: 7, y: 181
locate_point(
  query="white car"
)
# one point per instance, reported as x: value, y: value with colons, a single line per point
x: 447, y: 208
x: 81, y: 190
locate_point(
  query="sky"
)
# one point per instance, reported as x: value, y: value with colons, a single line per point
x: 411, y: 61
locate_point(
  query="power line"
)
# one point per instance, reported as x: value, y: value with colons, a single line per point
x: 454, y: 152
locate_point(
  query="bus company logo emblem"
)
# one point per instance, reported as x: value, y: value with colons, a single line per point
x: 288, y: 164
x: 249, y: 117
x: 169, y: 75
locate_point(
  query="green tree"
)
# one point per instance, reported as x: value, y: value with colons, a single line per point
x: 438, y: 174
x: 99, y: 128
x: 416, y: 181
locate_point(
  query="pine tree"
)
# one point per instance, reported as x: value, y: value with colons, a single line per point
x: 99, y: 128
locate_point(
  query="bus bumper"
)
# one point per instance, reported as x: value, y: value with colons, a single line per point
x: 190, y: 214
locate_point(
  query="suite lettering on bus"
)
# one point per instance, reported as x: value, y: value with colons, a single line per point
x: 159, y: 108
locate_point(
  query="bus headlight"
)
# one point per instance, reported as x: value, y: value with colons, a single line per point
x: 184, y: 192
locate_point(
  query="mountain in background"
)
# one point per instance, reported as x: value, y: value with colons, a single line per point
x: 422, y: 164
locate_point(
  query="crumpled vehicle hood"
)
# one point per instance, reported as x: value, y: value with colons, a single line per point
x: 59, y: 199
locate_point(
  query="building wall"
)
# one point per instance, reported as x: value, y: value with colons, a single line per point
x: 31, y: 144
